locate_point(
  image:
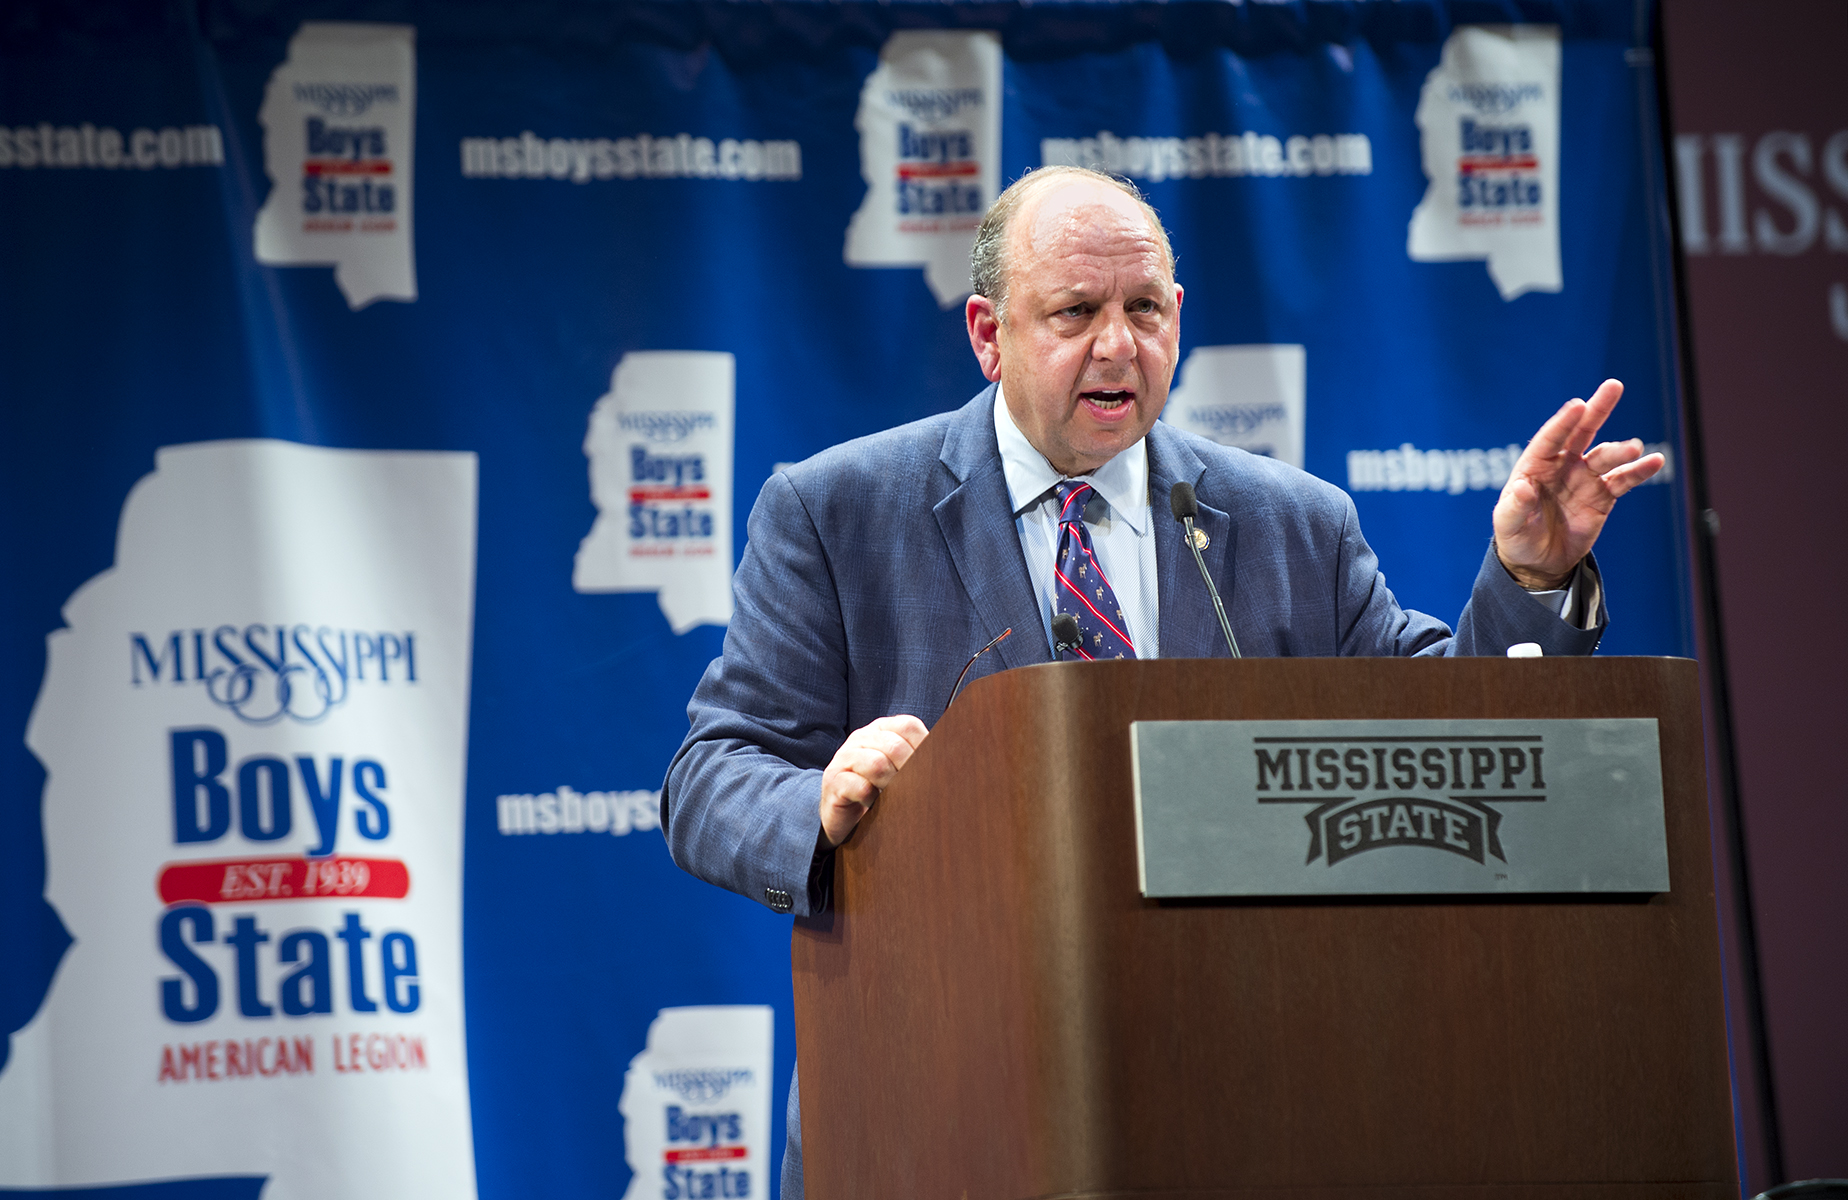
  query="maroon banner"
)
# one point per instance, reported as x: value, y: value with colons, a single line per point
x: 1759, y: 163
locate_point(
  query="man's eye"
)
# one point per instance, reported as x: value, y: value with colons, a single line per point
x: 1075, y: 310
x: 1142, y: 306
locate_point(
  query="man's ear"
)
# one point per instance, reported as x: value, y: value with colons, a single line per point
x: 984, y: 335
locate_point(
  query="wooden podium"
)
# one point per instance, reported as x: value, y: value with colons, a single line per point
x: 993, y: 1012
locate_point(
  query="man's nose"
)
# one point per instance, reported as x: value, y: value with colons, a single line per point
x: 1114, y: 341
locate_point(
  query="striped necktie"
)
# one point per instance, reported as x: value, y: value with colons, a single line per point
x: 1081, y: 588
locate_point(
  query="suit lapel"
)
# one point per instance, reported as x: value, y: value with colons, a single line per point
x: 977, y: 521
x: 1189, y: 627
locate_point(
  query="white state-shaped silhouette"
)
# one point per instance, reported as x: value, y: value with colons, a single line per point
x: 696, y: 1104
x: 220, y: 545
x: 338, y: 118
x: 660, y: 450
x: 1496, y: 86
x: 930, y: 152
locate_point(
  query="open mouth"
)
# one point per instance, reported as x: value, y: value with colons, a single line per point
x: 1107, y: 401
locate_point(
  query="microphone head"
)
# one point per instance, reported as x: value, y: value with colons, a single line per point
x: 1065, y: 631
x: 1181, y: 500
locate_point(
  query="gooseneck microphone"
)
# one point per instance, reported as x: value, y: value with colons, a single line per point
x: 1065, y: 633
x: 992, y: 643
x: 1186, y: 507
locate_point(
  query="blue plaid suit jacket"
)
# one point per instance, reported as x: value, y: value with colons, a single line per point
x: 874, y: 570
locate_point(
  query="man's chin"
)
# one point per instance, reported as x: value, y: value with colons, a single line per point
x: 1099, y: 449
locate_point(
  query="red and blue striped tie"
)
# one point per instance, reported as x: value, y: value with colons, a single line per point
x: 1081, y: 588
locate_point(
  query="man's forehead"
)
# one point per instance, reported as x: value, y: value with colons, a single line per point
x: 1085, y: 210
x: 1082, y: 219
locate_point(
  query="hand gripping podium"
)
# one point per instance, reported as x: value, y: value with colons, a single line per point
x: 993, y: 1010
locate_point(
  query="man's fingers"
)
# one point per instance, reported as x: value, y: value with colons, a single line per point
x: 1608, y: 456
x: 905, y: 726
x: 1557, y: 433
x: 867, y: 761
x: 1628, y: 476
x: 896, y: 738
x: 896, y: 744
x: 1571, y: 429
x: 876, y: 751
x: 1597, y: 411
x: 846, y: 794
x: 840, y: 813
x: 1605, y: 398
x: 849, y: 786
x: 1556, y: 498
x: 876, y: 760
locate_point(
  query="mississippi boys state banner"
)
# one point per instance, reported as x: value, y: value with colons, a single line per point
x: 386, y: 387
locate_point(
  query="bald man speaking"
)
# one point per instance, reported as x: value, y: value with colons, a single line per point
x: 876, y: 568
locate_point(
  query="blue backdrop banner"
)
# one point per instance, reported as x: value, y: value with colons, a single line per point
x: 386, y: 386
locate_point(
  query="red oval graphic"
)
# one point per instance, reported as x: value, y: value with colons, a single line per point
x: 251, y: 880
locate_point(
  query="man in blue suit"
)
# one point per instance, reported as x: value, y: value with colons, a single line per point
x: 874, y: 569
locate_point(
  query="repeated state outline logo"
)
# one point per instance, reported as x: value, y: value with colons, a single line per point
x: 1429, y: 792
x: 659, y: 445
x: 347, y: 170
x: 1489, y: 136
x: 696, y: 1105
x: 339, y: 128
x: 929, y: 125
x: 253, y: 816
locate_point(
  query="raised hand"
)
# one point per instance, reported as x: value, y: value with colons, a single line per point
x: 1557, y: 497
x: 866, y: 762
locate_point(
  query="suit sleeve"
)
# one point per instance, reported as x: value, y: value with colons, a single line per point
x: 740, y: 807
x: 1500, y: 613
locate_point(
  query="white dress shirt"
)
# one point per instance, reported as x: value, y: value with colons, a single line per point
x: 1123, y: 535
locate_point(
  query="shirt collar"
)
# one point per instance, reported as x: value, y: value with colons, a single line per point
x: 1123, y: 482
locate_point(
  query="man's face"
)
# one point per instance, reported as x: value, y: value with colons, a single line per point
x: 1092, y: 333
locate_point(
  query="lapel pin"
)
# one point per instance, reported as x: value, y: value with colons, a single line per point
x: 1200, y: 540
